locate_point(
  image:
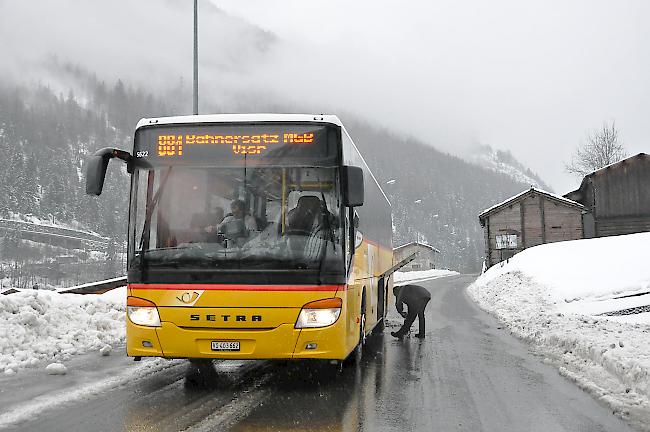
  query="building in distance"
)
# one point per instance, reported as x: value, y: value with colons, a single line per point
x: 425, y: 259
x: 528, y: 219
x: 617, y: 198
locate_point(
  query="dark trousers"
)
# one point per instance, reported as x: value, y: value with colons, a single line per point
x: 417, y: 311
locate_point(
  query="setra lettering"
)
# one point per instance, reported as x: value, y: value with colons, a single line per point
x: 226, y: 318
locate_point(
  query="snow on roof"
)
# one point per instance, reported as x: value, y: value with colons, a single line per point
x: 34, y: 220
x: 419, y: 244
x: 640, y: 155
x: 550, y: 195
x: 240, y: 118
x: 118, y: 281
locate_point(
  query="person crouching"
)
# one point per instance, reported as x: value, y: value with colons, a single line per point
x: 416, y: 298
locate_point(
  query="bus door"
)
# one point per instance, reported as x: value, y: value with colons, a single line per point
x: 371, y: 279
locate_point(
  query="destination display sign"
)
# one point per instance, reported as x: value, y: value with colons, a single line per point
x: 230, y: 143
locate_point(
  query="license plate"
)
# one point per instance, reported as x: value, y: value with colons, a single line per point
x: 225, y: 345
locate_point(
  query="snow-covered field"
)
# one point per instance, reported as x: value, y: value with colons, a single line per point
x: 403, y: 278
x: 41, y: 328
x: 559, y: 297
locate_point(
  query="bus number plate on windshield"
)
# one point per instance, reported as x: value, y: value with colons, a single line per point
x: 225, y: 345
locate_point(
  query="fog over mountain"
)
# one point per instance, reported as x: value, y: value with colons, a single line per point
x: 45, y: 136
x: 113, y: 63
x: 532, y: 78
x: 449, y: 74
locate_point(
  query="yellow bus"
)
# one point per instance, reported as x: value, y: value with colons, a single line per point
x: 256, y: 236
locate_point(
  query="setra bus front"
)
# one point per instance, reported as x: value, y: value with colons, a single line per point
x: 239, y: 238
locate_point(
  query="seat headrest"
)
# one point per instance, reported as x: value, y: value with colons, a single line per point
x: 309, y: 201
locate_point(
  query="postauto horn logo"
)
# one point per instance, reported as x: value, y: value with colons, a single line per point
x: 189, y: 297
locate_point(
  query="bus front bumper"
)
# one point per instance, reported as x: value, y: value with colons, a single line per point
x: 283, y: 342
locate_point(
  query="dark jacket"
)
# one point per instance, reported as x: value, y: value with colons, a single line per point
x: 413, y: 295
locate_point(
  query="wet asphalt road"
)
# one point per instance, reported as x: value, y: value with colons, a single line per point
x: 467, y: 375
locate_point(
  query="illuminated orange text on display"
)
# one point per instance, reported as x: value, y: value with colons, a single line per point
x: 294, y: 138
x: 248, y: 149
x: 232, y: 139
x: 172, y: 145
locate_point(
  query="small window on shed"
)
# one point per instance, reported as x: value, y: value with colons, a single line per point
x: 506, y: 241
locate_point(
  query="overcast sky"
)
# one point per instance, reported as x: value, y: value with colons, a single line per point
x: 529, y: 77
x: 532, y: 77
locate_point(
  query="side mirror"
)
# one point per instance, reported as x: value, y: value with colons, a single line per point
x: 352, y: 182
x: 97, y: 165
x: 95, y: 174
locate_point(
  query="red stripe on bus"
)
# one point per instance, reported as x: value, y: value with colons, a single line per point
x: 220, y: 287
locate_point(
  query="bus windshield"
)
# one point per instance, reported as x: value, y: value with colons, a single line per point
x: 236, y: 218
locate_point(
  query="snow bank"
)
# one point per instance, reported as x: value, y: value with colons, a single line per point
x: 584, y: 269
x: 403, y: 278
x: 42, y: 326
x: 553, y: 295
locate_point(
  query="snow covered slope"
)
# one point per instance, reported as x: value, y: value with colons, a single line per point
x: 585, y: 306
x: 505, y: 163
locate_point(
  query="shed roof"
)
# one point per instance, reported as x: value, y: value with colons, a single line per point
x: 418, y: 244
x: 551, y: 196
x: 578, y: 193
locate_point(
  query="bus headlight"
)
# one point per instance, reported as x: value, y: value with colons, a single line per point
x: 142, y: 312
x: 320, y: 313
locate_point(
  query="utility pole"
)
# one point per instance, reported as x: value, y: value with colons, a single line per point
x: 196, y: 59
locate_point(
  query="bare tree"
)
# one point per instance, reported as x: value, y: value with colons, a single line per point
x: 601, y: 148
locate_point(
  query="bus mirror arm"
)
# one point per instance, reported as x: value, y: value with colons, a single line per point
x: 97, y: 164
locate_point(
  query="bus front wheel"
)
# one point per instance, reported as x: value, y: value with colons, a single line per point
x: 355, y: 356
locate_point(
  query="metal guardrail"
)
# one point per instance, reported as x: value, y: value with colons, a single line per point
x: 99, y: 287
x: 629, y: 311
x: 9, y: 291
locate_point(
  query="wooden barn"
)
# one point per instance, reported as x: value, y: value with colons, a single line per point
x: 425, y: 259
x: 617, y: 198
x: 529, y: 219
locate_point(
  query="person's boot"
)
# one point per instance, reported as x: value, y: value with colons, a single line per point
x: 398, y: 335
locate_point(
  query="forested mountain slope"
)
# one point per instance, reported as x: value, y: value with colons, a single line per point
x: 44, y: 139
x: 45, y: 136
x: 435, y: 196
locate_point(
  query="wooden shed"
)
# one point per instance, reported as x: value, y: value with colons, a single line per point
x: 617, y: 197
x: 529, y: 219
x: 425, y: 259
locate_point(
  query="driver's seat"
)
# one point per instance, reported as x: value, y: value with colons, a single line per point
x: 301, y: 220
